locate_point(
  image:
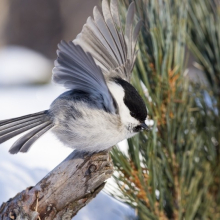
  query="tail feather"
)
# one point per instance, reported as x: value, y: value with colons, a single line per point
x: 6, y: 129
x: 15, y: 132
x: 15, y: 126
x: 24, y: 143
x: 27, y: 117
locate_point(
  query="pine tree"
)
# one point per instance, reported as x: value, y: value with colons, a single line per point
x: 173, y: 170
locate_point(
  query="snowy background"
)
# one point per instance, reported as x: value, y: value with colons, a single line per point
x: 20, y: 70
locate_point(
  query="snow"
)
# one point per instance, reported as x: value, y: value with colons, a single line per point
x: 22, y: 65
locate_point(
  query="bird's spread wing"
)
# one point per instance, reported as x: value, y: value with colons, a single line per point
x: 101, y: 48
x: 76, y: 69
x: 112, y: 48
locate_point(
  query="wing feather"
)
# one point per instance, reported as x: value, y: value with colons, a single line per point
x: 103, y: 38
x: 94, y: 45
x: 101, y: 24
x: 76, y: 69
x: 116, y: 18
x: 101, y: 48
x: 129, y: 30
x: 110, y: 23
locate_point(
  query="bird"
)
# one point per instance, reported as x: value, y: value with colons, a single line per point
x: 100, y: 106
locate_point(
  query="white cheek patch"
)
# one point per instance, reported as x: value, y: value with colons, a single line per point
x: 118, y: 93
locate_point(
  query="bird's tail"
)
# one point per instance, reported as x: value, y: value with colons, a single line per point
x: 39, y: 123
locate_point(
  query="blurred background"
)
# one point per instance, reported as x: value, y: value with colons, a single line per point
x: 29, y: 34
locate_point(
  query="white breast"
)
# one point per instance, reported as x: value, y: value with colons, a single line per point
x: 94, y: 130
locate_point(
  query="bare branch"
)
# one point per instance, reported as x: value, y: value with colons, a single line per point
x: 64, y: 191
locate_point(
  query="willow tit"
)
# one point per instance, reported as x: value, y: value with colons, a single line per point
x: 101, y: 107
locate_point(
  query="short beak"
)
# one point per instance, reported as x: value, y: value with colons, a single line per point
x: 144, y: 126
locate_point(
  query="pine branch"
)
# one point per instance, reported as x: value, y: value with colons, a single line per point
x: 172, y: 171
x: 64, y: 191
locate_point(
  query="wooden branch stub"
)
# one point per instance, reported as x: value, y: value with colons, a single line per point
x: 62, y: 192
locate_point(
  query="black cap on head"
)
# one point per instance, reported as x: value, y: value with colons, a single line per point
x: 133, y: 100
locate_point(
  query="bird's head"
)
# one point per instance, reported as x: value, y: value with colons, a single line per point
x: 131, y: 107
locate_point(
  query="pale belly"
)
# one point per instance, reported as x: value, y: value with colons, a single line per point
x: 94, y: 131
x: 89, y: 138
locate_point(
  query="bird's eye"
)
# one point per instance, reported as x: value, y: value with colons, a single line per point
x: 132, y: 114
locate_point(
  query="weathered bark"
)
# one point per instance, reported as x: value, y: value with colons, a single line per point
x: 64, y: 191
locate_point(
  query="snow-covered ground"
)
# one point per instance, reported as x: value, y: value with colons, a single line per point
x: 22, y: 170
